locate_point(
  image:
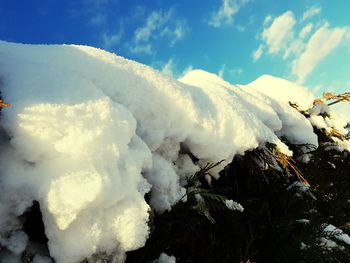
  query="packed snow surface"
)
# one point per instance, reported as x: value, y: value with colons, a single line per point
x: 91, y: 133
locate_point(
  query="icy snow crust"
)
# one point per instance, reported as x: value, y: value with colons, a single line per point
x: 92, y: 132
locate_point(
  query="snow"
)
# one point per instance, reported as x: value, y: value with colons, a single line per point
x: 91, y: 133
x: 16, y: 242
x: 284, y: 90
x: 334, y: 120
x: 300, y: 187
x: 8, y: 257
x: 166, y: 189
x: 337, y: 233
x: 41, y: 259
x: 332, y: 164
x: 303, y: 221
x: 233, y: 205
x: 327, y: 243
x: 296, y: 128
x: 164, y: 258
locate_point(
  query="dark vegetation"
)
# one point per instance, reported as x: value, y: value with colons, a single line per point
x: 282, y: 221
x: 270, y: 229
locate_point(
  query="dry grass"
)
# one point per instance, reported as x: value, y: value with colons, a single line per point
x: 3, y: 104
x: 337, y: 134
x: 334, y: 98
x: 289, y: 165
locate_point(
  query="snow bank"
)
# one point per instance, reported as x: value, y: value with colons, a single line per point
x: 296, y: 128
x: 91, y: 133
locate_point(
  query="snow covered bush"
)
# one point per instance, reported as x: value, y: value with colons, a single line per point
x: 95, y: 144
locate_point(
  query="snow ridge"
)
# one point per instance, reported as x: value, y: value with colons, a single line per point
x: 92, y: 133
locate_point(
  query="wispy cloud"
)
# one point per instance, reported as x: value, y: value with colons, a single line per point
x: 98, y: 19
x: 158, y: 25
x: 226, y: 12
x: 95, y: 11
x: 144, y: 48
x: 306, y: 30
x: 306, y: 47
x: 111, y: 40
x: 278, y: 35
x: 221, y: 72
x: 312, y: 11
x: 321, y: 43
x: 170, y: 68
x: 189, y: 68
x: 258, y: 53
x: 235, y: 72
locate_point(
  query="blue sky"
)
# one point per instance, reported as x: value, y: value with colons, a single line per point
x: 305, y: 41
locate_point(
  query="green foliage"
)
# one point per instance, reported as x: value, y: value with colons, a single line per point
x: 204, y: 198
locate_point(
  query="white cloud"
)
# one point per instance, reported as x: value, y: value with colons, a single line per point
x: 142, y: 48
x: 316, y: 90
x: 158, y: 25
x: 226, y: 12
x: 312, y: 11
x: 258, y: 53
x: 306, y: 30
x: 222, y: 71
x: 295, y: 48
x: 189, y: 68
x: 321, y: 43
x: 236, y: 71
x: 168, y: 68
x: 110, y: 40
x: 95, y: 11
x: 232, y: 72
x: 281, y: 37
x: 98, y: 19
x: 154, y: 21
x: 267, y: 20
x: 280, y: 32
x: 241, y: 28
x: 179, y: 33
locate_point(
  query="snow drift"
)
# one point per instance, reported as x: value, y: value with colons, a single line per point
x: 90, y: 133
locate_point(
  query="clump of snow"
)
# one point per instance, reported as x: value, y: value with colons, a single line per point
x: 164, y: 258
x: 233, y: 205
x: 322, y: 117
x: 299, y: 187
x: 331, y: 232
x: 41, y: 259
x: 16, y: 242
x: 337, y: 233
x: 166, y: 189
x: 284, y: 90
x: 92, y: 133
x: 296, y: 127
x: 8, y: 257
x: 303, y: 221
x: 327, y: 243
x: 332, y: 123
x: 83, y: 163
x: 303, y: 246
